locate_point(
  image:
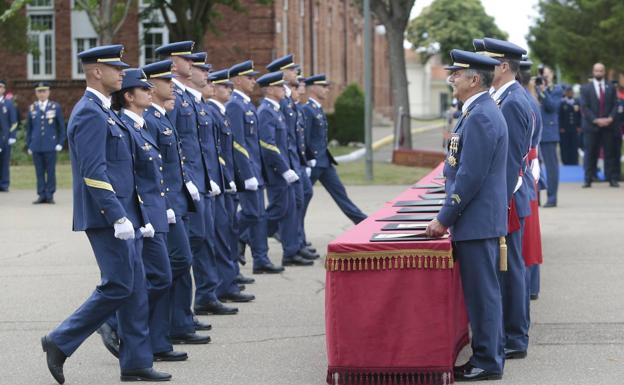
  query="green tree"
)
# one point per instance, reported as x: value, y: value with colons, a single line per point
x: 574, y: 34
x: 448, y: 24
x: 13, y: 27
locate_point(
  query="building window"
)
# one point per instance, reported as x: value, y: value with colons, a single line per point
x: 41, y: 37
x: 81, y: 44
x: 154, y: 35
x: 40, y: 4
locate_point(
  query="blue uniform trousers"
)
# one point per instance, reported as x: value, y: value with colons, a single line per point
x: 478, y: 266
x: 299, y: 200
x: 123, y: 290
x: 202, y: 239
x: 45, y: 169
x: 513, y: 285
x: 5, y: 162
x: 282, y: 217
x: 308, y: 191
x: 181, y: 292
x: 332, y: 183
x: 551, y: 162
x: 223, y: 239
x: 231, y: 205
x: 534, y: 278
x: 252, y: 225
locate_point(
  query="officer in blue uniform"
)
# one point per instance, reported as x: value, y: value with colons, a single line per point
x: 222, y: 90
x: 475, y: 209
x: 293, y: 123
x: 108, y: 209
x: 252, y: 221
x: 510, y: 97
x: 185, y: 117
x: 280, y: 177
x: 45, y: 135
x: 570, y: 126
x: 8, y: 132
x: 182, y: 324
x: 549, y: 96
x: 323, y: 162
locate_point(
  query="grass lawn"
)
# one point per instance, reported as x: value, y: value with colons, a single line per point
x: 23, y: 177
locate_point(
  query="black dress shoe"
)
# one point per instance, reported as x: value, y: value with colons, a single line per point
x: 614, y: 183
x: 534, y: 297
x: 190, y: 339
x: 241, y: 287
x: 268, y: 269
x: 296, y: 260
x: 50, y: 201
x: 201, y: 325
x: 171, y: 356
x: 586, y: 185
x: 216, y: 308
x: 311, y: 249
x: 55, y: 359
x: 511, y: 354
x: 148, y: 374
x: 550, y: 204
x: 110, y: 339
x: 305, y: 253
x: 242, y: 280
x: 241, y: 253
x: 308, y: 244
x: 39, y: 201
x: 468, y: 372
x: 237, y: 297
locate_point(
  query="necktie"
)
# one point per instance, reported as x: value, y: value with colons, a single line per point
x: 601, y: 100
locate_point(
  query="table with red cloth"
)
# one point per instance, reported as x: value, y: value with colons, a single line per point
x: 394, y: 311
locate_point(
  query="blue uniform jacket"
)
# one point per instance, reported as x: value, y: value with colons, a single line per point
x: 476, y: 176
x: 102, y: 158
x: 225, y: 142
x: 208, y: 142
x: 149, y: 177
x: 316, y: 134
x: 274, y: 142
x: 550, y: 101
x: 570, y: 116
x: 244, y: 124
x: 174, y: 169
x: 304, y: 151
x: 517, y: 112
x: 8, y: 121
x: 45, y: 129
x: 289, y: 110
x: 536, y: 134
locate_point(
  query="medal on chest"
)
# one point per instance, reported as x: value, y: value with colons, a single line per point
x: 453, y: 149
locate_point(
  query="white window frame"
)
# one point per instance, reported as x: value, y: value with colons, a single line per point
x: 76, y: 64
x: 163, y: 30
x: 42, y: 11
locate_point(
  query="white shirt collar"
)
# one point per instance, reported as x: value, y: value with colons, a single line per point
x: 179, y: 84
x: 497, y: 94
x: 159, y: 108
x: 597, y: 86
x: 273, y: 102
x: 470, y: 100
x: 242, y: 94
x: 43, y: 104
x: 218, y: 104
x: 315, y: 102
x: 1, y: 98
x: 288, y: 91
x: 196, y: 94
x: 106, y: 102
x: 137, y: 119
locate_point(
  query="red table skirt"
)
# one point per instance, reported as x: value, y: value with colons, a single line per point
x: 394, y: 311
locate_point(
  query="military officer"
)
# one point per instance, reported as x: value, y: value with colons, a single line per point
x: 8, y: 133
x: 182, y: 325
x: 45, y: 135
x: 475, y: 208
x: 570, y: 127
x: 323, y: 162
x: 252, y: 221
x: 108, y: 209
x: 280, y: 177
x: 289, y: 110
x: 515, y: 107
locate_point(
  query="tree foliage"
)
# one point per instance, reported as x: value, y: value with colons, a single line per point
x: 575, y: 34
x: 13, y: 29
x: 448, y: 24
x: 349, y: 115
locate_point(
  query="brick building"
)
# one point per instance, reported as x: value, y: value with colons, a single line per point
x: 325, y: 36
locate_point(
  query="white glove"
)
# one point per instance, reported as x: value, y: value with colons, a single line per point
x: 312, y: 163
x: 214, y: 189
x: 192, y: 189
x: 124, y: 230
x: 518, y: 184
x: 251, y: 184
x: 309, y: 171
x: 29, y: 151
x: 12, y: 141
x: 148, y: 231
x: 171, y: 216
x: 58, y: 147
x: 535, y: 169
x: 290, y: 176
x: 232, y: 187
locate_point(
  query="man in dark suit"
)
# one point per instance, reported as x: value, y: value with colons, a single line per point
x: 599, y: 109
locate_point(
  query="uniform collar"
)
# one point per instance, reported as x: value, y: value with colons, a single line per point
x: 196, y: 94
x: 243, y: 95
x: 218, y: 104
x: 470, y: 100
x: 43, y: 105
x: 274, y: 103
x: 288, y: 91
x: 499, y: 92
x: 316, y: 103
x: 106, y: 101
x: 159, y: 108
x: 136, y: 118
x: 179, y: 84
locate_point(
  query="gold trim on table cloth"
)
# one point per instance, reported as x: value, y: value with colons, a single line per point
x: 390, y: 259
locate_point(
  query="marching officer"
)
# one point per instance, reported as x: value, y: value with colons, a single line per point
x: 515, y: 108
x: 475, y: 209
x: 569, y: 127
x: 252, y: 221
x: 45, y: 135
x: 280, y: 180
x: 8, y: 133
x: 323, y: 162
x: 108, y: 209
